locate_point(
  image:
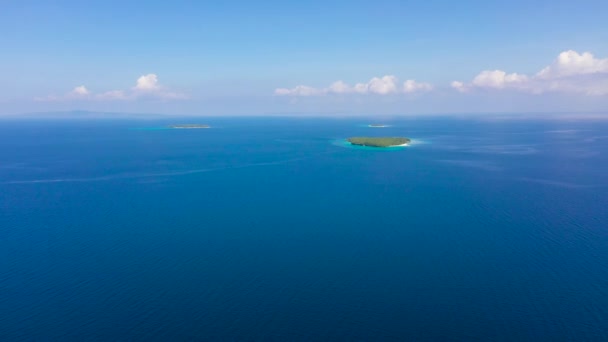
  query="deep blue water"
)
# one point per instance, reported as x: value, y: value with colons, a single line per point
x: 267, y: 229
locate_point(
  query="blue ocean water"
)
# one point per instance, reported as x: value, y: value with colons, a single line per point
x: 267, y: 229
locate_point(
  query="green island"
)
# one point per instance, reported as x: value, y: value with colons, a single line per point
x: 377, y: 125
x: 189, y: 126
x: 378, y: 142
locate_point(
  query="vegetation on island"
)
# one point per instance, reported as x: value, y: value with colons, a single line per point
x: 189, y: 126
x: 378, y: 142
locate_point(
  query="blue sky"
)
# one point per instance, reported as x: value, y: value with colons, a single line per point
x: 273, y: 57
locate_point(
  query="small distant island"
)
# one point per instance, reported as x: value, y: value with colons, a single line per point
x: 379, y: 142
x: 377, y: 125
x: 185, y: 126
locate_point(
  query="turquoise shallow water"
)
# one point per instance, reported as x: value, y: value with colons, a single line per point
x: 270, y: 229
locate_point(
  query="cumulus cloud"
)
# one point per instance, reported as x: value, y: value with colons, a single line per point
x: 382, y: 85
x: 411, y: 86
x: 80, y: 91
x: 340, y: 87
x: 300, y: 90
x: 385, y: 85
x: 147, y: 82
x: 461, y: 87
x: 570, y: 63
x: 498, y: 79
x: 147, y: 86
x: 571, y: 72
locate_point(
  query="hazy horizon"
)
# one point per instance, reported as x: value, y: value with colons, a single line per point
x: 368, y: 117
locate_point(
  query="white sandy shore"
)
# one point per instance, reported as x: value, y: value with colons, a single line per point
x: 385, y: 146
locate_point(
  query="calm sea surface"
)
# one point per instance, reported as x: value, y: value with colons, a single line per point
x: 274, y: 229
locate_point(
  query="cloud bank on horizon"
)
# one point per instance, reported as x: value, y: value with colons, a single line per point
x: 385, y: 85
x: 147, y: 86
x: 571, y: 72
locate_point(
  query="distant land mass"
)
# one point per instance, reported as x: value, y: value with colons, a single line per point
x: 189, y: 126
x: 377, y: 125
x: 379, y: 141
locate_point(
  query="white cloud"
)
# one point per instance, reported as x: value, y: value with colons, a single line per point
x: 147, y: 86
x: 382, y: 86
x: 361, y: 88
x: 571, y: 72
x: 411, y: 86
x: 300, y: 90
x: 80, y: 91
x: 147, y: 83
x: 385, y: 85
x: 340, y: 87
x: 570, y: 63
x: 461, y: 87
x: 498, y: 79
